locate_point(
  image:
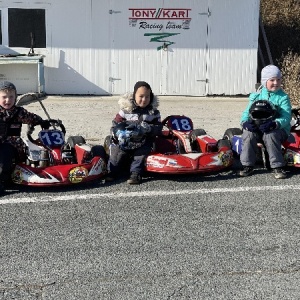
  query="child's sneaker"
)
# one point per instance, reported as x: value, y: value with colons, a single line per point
x: 279, y: 173
x: 134, y: 178
x: 109, y: 177
x: 246, y: 171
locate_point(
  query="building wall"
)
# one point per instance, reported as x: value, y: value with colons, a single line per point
x: 181, y: 47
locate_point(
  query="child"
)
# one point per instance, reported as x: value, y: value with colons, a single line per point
x: 139, y: 114
x: 274, y: 131
x: 11, y: 120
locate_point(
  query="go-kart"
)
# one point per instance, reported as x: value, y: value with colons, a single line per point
x: 51, y: 161
x: 180, y: 149
x: 290, y: 148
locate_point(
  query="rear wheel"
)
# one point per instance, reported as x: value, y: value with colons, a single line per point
x: 75, y: 140
x: 71, y: 142
x: 198, y: 132
x: 231, y: 132
x: 194, y: 144
x: 99, y: 150
x: 224, y: 143
x: 107, y: 142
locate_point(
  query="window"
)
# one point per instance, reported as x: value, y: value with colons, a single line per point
x: 26, y: 28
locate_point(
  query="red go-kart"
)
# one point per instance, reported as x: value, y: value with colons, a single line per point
x: 49, y: 160
x: 290, y: 148
x: 181, y: 149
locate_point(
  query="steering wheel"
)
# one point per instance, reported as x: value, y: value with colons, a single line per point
x: 53, y: 124
x: 166, y: 119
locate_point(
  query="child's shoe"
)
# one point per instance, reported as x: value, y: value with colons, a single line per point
x: 246, y: 171
x: 134, y: 178
x: 110, y: 177
x: 279, y: 173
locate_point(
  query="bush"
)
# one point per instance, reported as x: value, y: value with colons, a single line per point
x: 282, y: 25
x: 290, y: 67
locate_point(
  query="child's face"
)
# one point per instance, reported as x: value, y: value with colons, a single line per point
x: 142, y: 97
x: 7, y: 98
x: 273, y: 84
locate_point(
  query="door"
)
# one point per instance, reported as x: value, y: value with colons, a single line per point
x: 163, y: 43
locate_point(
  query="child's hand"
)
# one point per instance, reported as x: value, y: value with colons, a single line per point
x: 145, y: 127
x: 131, y: 126
x: 45, y: 124
x: 249, y: 126
x: 268, y: 126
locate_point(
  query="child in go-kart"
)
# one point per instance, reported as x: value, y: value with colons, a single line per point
x: 11, y: 120
x: 139, y: 117
x: 274, y: 131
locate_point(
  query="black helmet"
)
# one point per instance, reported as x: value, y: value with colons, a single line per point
x: 261, y: 111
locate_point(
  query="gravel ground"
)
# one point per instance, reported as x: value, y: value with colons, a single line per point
x: 91, y: 117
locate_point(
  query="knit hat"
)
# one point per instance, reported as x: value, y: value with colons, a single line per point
x: 146, y: 85
x: 269, y: 72
x: 7, y: 85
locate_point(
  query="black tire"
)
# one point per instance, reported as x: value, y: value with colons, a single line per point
x: 198, y: 132
x: 194, y: 144
x: 107, y: 142
x: 75, y: 140
x: 224, y: 143
x: 230, y: 132
x: 99, y: 150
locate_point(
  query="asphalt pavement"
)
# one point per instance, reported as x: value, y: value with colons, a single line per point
x: 201, y: 237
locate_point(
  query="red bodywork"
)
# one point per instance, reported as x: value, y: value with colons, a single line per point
x: 179, y: 150
x: 54, y: 166
x: 291, y: 149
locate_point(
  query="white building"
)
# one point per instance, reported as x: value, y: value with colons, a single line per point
x: 102, y: 47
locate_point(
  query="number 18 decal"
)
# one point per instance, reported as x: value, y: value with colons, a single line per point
x: 181, y: 123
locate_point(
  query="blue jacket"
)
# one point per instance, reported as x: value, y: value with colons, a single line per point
x: 280, y: 100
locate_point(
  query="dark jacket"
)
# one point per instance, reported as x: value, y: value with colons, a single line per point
x: 131, y: 113
x: 11, y: 124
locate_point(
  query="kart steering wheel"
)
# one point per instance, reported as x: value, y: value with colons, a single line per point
x: 53, y: 123
x: 166, y: 119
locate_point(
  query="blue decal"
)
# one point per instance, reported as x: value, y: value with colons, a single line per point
x: 237, y: 144
x: 52, y: 137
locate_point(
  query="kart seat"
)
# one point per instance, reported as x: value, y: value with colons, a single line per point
x: 164, y: 145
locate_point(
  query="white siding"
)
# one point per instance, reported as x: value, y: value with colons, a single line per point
x: 92, y: 51
x: 233, y: 42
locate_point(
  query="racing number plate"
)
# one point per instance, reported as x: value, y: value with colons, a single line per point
x: 180, y: 123
x: 52, y: 137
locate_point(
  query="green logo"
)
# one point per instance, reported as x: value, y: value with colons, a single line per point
x: 159, y: 38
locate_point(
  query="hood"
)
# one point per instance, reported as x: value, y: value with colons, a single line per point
x: 126, y: 102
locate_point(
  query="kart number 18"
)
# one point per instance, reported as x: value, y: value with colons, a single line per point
x: 181, y: 124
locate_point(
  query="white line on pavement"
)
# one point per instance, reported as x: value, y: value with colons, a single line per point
x: 147, y: 194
